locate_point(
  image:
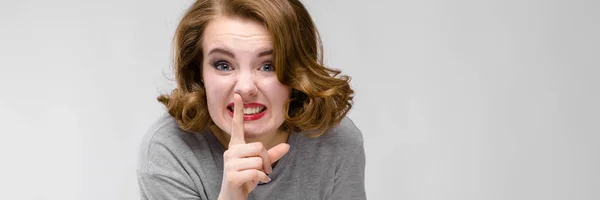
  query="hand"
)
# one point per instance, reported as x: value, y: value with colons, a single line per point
x: 246, y: 164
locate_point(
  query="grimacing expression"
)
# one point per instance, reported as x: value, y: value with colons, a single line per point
x: 238, y: 57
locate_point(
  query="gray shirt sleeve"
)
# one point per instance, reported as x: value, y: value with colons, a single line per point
x: 162, y: 170
x: 350, y: 176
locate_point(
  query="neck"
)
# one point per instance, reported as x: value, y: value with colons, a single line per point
x: 268, y: 140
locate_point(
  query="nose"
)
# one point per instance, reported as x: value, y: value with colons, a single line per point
x: 245, y: 85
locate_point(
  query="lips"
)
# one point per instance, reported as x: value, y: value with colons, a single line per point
x: 252, y: 111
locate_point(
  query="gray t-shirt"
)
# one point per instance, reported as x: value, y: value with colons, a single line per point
x: 175, y: 164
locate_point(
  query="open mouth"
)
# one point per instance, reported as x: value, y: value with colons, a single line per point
x: 250, y: 110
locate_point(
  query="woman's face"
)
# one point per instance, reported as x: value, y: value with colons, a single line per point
x: 238, y: 57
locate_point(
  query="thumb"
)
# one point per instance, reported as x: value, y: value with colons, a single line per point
x: 278, y: 151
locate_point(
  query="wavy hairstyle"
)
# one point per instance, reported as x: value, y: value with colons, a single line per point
x: 320, y: 98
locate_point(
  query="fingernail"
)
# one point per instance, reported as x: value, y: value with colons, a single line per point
x: 268, y: 179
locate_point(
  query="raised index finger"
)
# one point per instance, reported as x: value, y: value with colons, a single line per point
x: 237, y: 125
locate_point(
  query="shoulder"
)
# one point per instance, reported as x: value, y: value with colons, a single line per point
x: 163, y: 132
x: 344, y: 138
x: 345, y: 143
x: 166, y: 158
x: 165, y: 129
x: 164, y: 141
x: 345, y: 133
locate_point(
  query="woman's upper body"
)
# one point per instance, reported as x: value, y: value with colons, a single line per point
x: 251, y: 86
x: 175, y: 164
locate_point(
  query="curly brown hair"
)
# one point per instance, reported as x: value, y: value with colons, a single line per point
x: 320, y: 98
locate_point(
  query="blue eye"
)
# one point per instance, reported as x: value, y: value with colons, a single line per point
x: 267, y: 67
x: 222, y: 66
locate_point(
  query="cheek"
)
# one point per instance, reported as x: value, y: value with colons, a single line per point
x: 276, y: 93
x: 216, y: 91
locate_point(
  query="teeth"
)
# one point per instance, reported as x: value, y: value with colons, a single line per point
x: 250, y: 111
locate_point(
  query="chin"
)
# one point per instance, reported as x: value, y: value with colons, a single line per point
x: 255, y: 129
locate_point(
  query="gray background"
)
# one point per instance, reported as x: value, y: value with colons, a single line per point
x: 456, y: 99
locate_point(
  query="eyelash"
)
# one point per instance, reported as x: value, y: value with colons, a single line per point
x: 271, y: 65
x: 221, y: 64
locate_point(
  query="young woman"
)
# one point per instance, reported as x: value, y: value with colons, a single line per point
x: 255, y: 114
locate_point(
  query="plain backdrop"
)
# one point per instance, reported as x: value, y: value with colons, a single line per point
x: 463, y: 99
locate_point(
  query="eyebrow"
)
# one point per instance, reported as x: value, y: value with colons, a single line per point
x: 265, y: 53
x: 222, y: 51
x: 230, y: 54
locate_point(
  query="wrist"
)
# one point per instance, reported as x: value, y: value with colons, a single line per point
x: 227, y: 194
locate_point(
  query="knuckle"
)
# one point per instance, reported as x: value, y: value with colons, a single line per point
x: 257, y: 146
x: 258, y: 175
x: 260, y: 145
x: 257, y: 162
x: 227, y: 154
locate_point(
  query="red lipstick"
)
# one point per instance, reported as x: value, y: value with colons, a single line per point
x: 249, y: 117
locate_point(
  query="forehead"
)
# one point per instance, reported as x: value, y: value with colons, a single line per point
x: 238, y: 34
